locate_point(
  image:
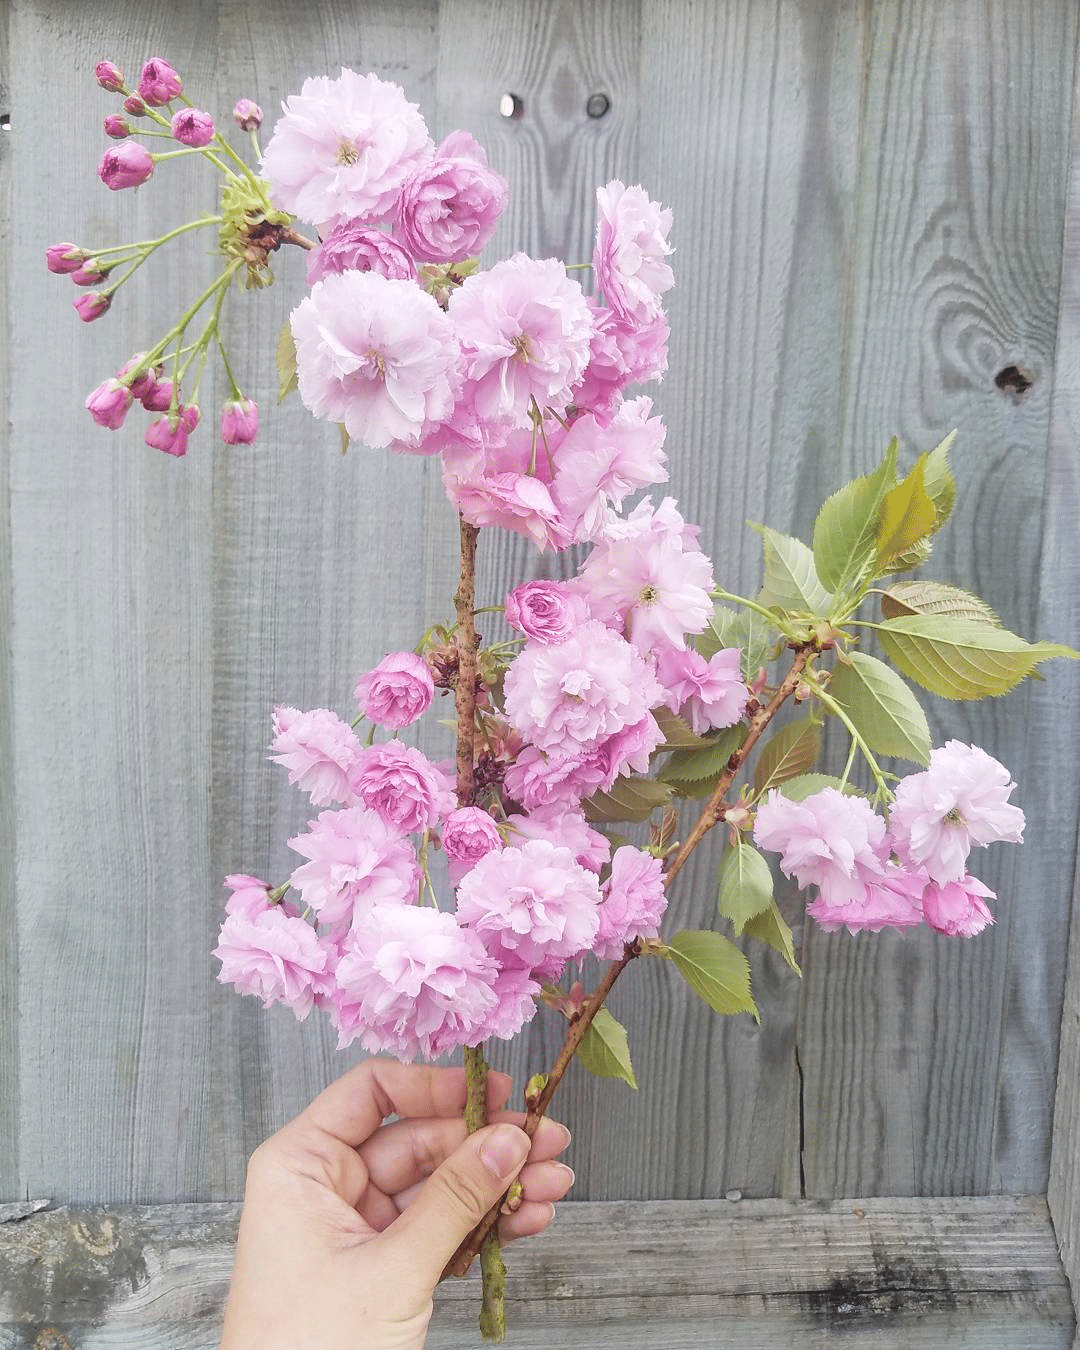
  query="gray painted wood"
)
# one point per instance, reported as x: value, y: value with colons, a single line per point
x: 908, y: 1274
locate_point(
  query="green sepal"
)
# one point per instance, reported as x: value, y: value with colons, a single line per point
x: 692, y: 773
x: 746, y: 884
x: 629, y: 799
x: 791, y: 752
x: 605, y: 1051
x: 791, y: 583
x: 845, y: 532
x: 771, y: 928
x: 935, y: 597
x: 883, y: 710
x: 715, y: 970
x: 285, y: 359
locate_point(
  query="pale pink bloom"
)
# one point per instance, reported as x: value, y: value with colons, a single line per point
x: 515, y: 993
x: 708, y: 693
x: 117, y: 127
x: 532, y: 905
x: 598, y: 465
x: 546, y: 611
x: 109, y: 76
x: 567, y: 827
x: 631, y: 250
x: 891, y: 901
x: 958, y: 908
x: 634, y: 901
x: 578, y: 693
x: 247, y: 114
x: 396, y: 692
x: 159, y: 83
x: 536, y: 779
x: 319, y: 750
x: 169, y: 434
x: 274, y: 955
x: 354, y: 247
x: 108, y: 404
x: 126, y: 165
x: 449, y: 207
x: 489, y: 486
x: 628, y: 751
x: 357, y: 862
x: 376, y: 354
x: 961, y: 800
x: 829, y: 840
x: 467, y: 835
x: 407, y: 790
x: 411, y: 981
x: 250, y: 895
x: 65, y: 258
x: 343, y: 149
x: 240, y: 421
x: 524, y: 328
x: 192, y: 126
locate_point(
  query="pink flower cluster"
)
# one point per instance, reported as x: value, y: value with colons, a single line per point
x: 870, y: 874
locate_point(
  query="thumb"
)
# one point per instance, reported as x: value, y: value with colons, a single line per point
x: 456, y: 1197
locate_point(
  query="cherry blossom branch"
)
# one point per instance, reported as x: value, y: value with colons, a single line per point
x: 466, y: 641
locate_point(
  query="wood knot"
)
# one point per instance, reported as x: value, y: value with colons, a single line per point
x: 1014, y: 381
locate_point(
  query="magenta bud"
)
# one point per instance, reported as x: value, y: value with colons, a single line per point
x: 64, y: 258
x: 143, y: 383
x: 126, y: 165
x: 192, y: 126
x: 240, y: 422
x: 159, y: 396
x: 109, y: 403
x: 117, y: 127
x: 190, y: 415
x: 168, y: 434
x: 134, y: 106
x: 109, y: 76
x: 92, y: 305
x: 92, y: 273
x: 159, y: 83
x: 247, y: 114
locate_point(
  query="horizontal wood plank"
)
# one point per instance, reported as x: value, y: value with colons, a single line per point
x: 895, y: 1273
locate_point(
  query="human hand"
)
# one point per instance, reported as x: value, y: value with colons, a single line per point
x: 347, y: 1222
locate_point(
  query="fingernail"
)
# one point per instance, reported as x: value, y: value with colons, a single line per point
x: 504, y: 1150
x: 569, y: 1172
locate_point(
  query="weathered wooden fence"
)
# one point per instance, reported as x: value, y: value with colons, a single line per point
x: 876, y: 235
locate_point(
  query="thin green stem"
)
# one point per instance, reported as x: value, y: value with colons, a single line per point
x: 853, y: 732
x: 848, y: 765
x: 719, y: 594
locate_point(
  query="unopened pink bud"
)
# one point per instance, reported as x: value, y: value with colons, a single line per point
x: 126, y: 165
x: 143, y: 383
x: 109, y: 76
x: 240, y: 422
x: 92, y: 273
x: 247, y: 114
x: 92, y: 305
x: 159, y: 83
x: 109, y: 403
x: 134, y: 106
x: 117, y: 127
x: 64, y: 258
x: 159, y: 397
x: 192, y: 126
x: 190, y: 415
x: 168, y: 434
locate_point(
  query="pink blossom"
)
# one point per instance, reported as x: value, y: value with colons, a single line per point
x: 274, y: 955
x: 490, y: 486
x: 357, y: 862
x: 634, y: 901
x: 708, y: 693
x: 143, y: 383
x: 567, y: 827
x: 247, y: 114
x: 319, y: 750
x: 631, y: 248
x: 240, y: 421
x: 169, y: 434
x: 396, y: 692
x: 892, y: 901
x: 536, y: 779
x: 524, y: 329
x: 546, y: 611
x: 92, y: 305
x: 411, y: 981
x: 65, y: 258
x: 599, y: 465
x: 959, y: 801
x: 467, y: 835
x: 250, y: 895
x: 628, y: 750
x: 125, y: 165
x: 515, y: 993
x: 343, y: 149
x: 92, y: 273
x: 354, y: 247
x: 958, y: 908
x: 117, y: 127
x: 158, y: 394
x: 192, y: 126
x: 134, y: 106
x: 109, y: 76
x: 449, y: 207
x: 376, y: 354
x: 620, y: 354
x: 829, y: 840
x: 532, y: 905
x: 109, y: 403
x: 403, y: 786
x: 159, y: 83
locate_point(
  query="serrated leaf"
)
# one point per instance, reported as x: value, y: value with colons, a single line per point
x: 629, y: 799
x: 744, y: 629
x: 285, y: 359
x: 906, y: 517
x: 692, y: 773
x: 939, y: 481
x: 884, y: 711
x: 908, y: 561
x: 715, y: 970
x: 935, y: 597
x: 678, y: 734
x: 771, y: 928
x: 791, y: 582
x: 605, y: 1050
x: 962, y: 658
x: 806, y: 784
x: 746, y: 884
x: 845, y: 532
x: 792, y: 751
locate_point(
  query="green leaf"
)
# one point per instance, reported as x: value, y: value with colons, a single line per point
x: 605, y: 1051
x: 743, y: 628
x: 285, y: 358
x: 715, y: 970
x: 692, y: 773
x: 962, y: 658
x: 806, y: 784
x: 746, y: 884
x: 938, y: 480
x: 914, y: 557
x: 935, y: 597
x: 792, y: 751
x: 677, y: 733
x: 791, y: 581
x: 629, y: 799
x: 882, y: 708
x: 906, y: 517
x: 771, y: 928
x: 846, y: 526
